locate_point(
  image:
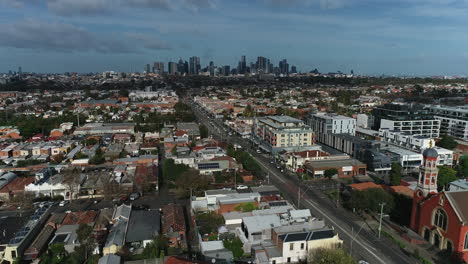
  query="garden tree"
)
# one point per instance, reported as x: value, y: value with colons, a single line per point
x: 235, y: 246
x: 157, y: 248
x: 81, y: 155
x: 203, y: 131
x: 98, y: 158
x: 58, y: 158
x: 248, y: 111
x: 190, y: 182
x: 446, y: 175
x: 401, y: 214
x: 71, y: 178
x: 370, y: 199
x: 329, y: 173
x: 395, y: 174
x: 329, y: 256
x: 90, y: 141
x: 55, y: 254
x: 111, y: 190
x: 86, y: 239
x: 172, y: 171
x: 24, y: 199
x: 447, y: 142
x: 209, y: 222
x: 462, y: 169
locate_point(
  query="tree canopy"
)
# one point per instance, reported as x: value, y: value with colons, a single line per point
x: 447, y: 142
x: 330, y: 256
x: 395, y: 174
x: 445, y: 176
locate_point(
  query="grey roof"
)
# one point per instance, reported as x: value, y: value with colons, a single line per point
x: 219, y: 192
x: 333, y: 163
x: 117, y: 234
x: 122, y: 211
x: 265, y: 189
x: 110, y: 259
x: 144, y: 225
x: 306, y: 236
x: 258, y: 223
x: 285, y: 119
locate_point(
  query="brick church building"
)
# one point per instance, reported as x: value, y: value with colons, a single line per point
x: 441, y: 218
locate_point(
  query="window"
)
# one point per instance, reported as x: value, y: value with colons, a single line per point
x: 13, y: 254
x: 440, y: 219
x: 291, y: 246
x: 289, y: 260
x: 441, y: 200
x: 302, y: 245
x: 466, y: 241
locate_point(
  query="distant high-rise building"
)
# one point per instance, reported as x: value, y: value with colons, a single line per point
x: 211, y: 68
x: 293, y: 69
x: 284, y: 67
x: 158, y: 67
x: 186, y: 67
x: 262, y: 65
x: 194, y: 66
x: 20, y: 71
x: 242, y: 68
x: 172, y: 68
x: 226, y: 70
x: 180, y: 67
x: 148, y: 68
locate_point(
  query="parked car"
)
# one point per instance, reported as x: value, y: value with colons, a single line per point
x: 63, y: 203
x: 242, y: 187
x: 134, y: 196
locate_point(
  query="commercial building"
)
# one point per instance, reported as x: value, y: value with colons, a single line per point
x: 346, y: 168
x: 326, y: 123
x: 105, y: 128
x: 276, y: 133
x: 453, y: 120
x: 410, y: 119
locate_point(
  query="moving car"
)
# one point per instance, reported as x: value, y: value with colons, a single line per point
x: 242, y: 187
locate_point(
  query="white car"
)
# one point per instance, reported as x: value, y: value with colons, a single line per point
x: 63, y: 203
x: 363, y: 262
x: 242, y: 187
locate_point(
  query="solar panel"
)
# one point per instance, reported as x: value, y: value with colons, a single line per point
x: 282, y: 203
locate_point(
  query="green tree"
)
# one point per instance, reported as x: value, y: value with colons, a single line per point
x: 462, y: 169
x: 235, y: 246
x: 203, y: 131
x: 172, y: 171
x: 209, y: 222
x: 329, y: 173
x: 246, y: 207
x: 446, y: 175
x: 248, y: 111
x: 395, y: 174
x: 447, y: 142
x: 370, y: 200
x: 86, y: 239
x: 157, y: 248
x: 330, y: 256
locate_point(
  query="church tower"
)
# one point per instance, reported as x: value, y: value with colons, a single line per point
x: 427, y: 183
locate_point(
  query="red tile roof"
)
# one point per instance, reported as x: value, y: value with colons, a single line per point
x: 17, y: 185
x: 179, y: 260
x: 173, y: 217
x: 364, y: 186
x: 402, y: 190
x: 82, y: 217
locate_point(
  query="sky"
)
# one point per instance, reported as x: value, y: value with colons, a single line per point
x: 371, y: 37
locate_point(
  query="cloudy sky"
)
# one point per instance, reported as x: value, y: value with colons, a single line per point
x: 409, y: 37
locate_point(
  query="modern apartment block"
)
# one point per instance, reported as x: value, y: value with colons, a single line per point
x: 453, y: 120
x: 410, y: 119
x: 326, y: 123
x: 276, y: 133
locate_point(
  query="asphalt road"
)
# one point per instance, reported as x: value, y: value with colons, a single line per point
x: 363, y: 244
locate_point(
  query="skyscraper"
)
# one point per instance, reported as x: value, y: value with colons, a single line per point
x: 20, y: 71
x: 194, y: 65
x: 172, y: 68
x: 262, y: 65
x: 242, y: 66
x: 284, y: 67
x: 158, y: 67
x: 211, y: 68
x: 148, y: 68
x: 293, y: 69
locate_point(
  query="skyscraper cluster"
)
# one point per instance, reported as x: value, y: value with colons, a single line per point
x: 262, y: 65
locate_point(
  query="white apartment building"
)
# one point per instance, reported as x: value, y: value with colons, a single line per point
x: 327, y: 123
x: 453, y: 120
x: 428, y: 128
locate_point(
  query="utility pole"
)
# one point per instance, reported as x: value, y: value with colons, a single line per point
x: 298, y: 197
x: 381, y: 215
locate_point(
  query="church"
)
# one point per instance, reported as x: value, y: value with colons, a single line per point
x: 441, y: 218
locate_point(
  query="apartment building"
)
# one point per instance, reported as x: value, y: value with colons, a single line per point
x: 453, y: 120
x: 407, y: 118
x: 276, y: 133
x: 328, y: 123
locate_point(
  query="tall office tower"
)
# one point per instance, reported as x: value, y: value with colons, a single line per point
x: 242, y: 65
x: 293, y: 69
x: 271, y: 68
x: 180, y: 67
x: 211, y: 68
x: 186, y: 67
x: 158, y: 67
x: 20, y: 71
x: 284, y: 67
x: 262, y: 64
x: 172, y: 68
x: 148, y: 68
x: 226, y: 70
x: 194, y: 65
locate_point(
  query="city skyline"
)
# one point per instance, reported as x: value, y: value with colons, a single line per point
x: 371, y: 37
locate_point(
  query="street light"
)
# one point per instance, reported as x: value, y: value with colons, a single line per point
x: 381, y: 215
x: 299, y: 195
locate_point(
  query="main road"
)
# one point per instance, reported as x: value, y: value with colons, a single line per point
x: 362, y: 243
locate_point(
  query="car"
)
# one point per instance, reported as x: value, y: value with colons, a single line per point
x: 242, y: 187
x: 134, y: 196
x: 363, y: 262
x: 123, y: 198
x: 63, y: 203
x: 272, y: 161
x: 42, y: 204
x: 259, y: 151
x: 278, y: 166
